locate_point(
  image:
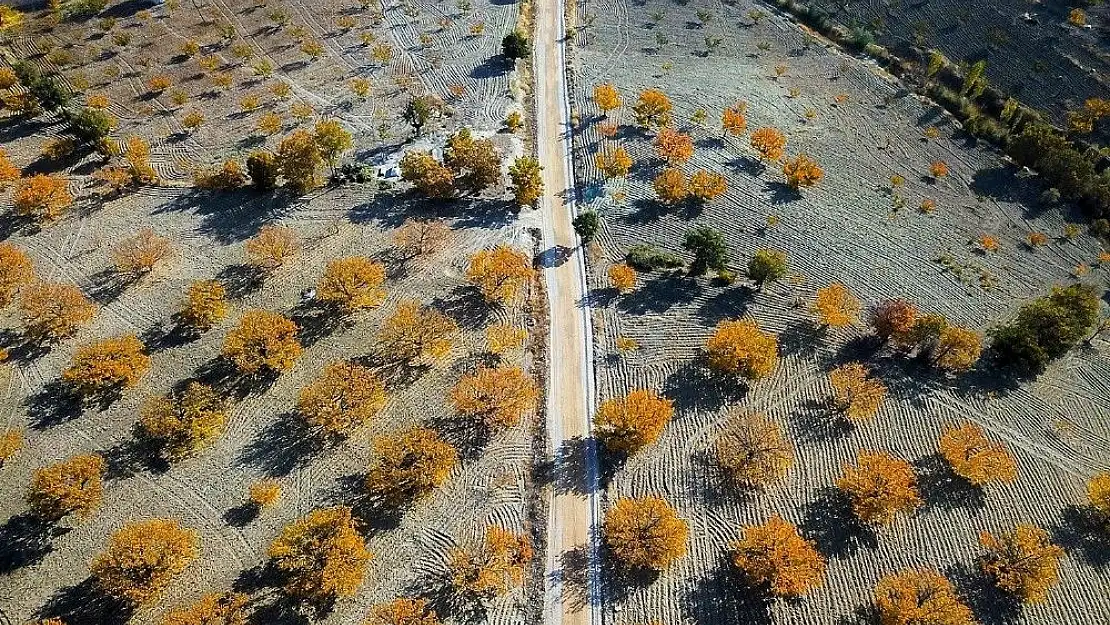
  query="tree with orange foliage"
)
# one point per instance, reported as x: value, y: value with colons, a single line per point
x: 352, y: 283
x: 16, y: 272
x: 1098, y: 494
x: 976, y: 458
x: 413, y: 331
x: 614, y: 162
x: 272, y: 247
x: 263, y: 340
x: 498, y: 396
x: 802, y: 171
x: 214, y: 608
x: 181, y: 424
x: 137, y: 154
x: 42, y: 197
x: 107, y: 365
x: 8, y: 171
x: 607, y: 98
x: 645, y: 533
x: 344, y: 397
x: 671, y: 186
x: 74, y: 486
x: 322, y: 555
x: 419, y: 237
x: 938, y: 169
x: 205, y: 305
x: 706, y: 186
x: 836, y: 306
x: 753, y: 451
x: 143, y: 558
x: 769, y: 142
x: 879, y: 487
x: 920, y: 596
x: 298, y: 157
x: 957, y: 349
x: 11, y: 441
x: 856, y: 395
x: 673, y: 146
x: 653, y: 109
x: 776, y: 557
x: 136, y: 256
x: 492, y: 569
x: 733, y: 120
x: 409, y: 466
x: 402, y: 611
x: 622, y: 277
x: 1022, y: 562
x: 628, y: 424
x: 53, y: 311
x: 500, y: 274
x: 893, y: 319
x: 740, y: 347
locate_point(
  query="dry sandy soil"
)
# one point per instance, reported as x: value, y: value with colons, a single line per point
x: 847, y: 230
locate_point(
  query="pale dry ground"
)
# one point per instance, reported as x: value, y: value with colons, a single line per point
x: 845, y: 229
x: 262, y: 438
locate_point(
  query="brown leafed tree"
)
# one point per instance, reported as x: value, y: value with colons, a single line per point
x: 919, y: 597
x: 645, y: 533
x: 322, y: 554
x: 498, y: 396
x: 107, y: 365
x: 614, y: 162
x: 74, y: 486
x: 16, y: 272
x: 263, y: 340
x: 802, y: 171
x: 501, y: 274
x: 628, y: 424
x: 413, y: 331
x: 352, y: 283
x: 741, y: 348
x: 409, y: 466
x: 494, y: 568
x: 136, y: 256
x: 42, y: 197
x: 879, y: 487
x: 653, y: 109
x: 272, y: 247
x: 1022, y: 562
x: 753, y: 451
x: 402, y: 611
x: 734, y: 121
x: 420, y: 237
x: 205, y: 305
x: 181, y: 424
x: 430, y: 177
x: 892, y: 319
x: 673, y: 146
x: 9, y: 172
x: 607, y: 97
x: 623, y: 277
x: 770, y: 143
x: 214, y: 608
x: 671, y: 186
x: 142, y: 559
x: 706, y: 186
x: 776, y: 557
x: 344, y: 397
x: 836, y: 306
x: 856, y: 395
x: 1098, y: 494
x: 52, y: 311
x: 976, y: 458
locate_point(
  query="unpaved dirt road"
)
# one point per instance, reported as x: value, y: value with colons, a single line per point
x: 571, y: 559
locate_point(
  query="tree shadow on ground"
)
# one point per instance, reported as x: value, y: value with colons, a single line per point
x: 709, y: 485
x: 468, y: 434
x: 730, y: 303
x: 282, y: 446
x: 619, y: 582
x: 572, y: 474
x: 372, y: 514
x: 232, y: 216
x: 20, y: 348
x: 802, y: 337
x: 815, y: 421
x: 447, y: 602
x: 54, y: 404
x: 85, y: 604
x: 271, y: 606
x: 694, y: 386
x: 940, y: 487
x: 862, y: 615
x: 828, y: 520
x: 242, y: 515
x: 782, y: 193
x: 395, y: 373
x: 221, y: 374
x: 645, y: 212
x: 132, y: 456
x: 1082, y: 530
x: 170, y: 334
x: 989, y: 604
x: 1002, y: 184
x: 241, y: 280
x: 25, y: 540
x: 107, y: 285
x: 317, y: 320
x: 724, y: 596
x: 660, y: 294
x: 465, y: 306
x: 573, y: 577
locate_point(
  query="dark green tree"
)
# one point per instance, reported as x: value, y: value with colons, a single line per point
x: 262, y: 167
x: 586, y: 224
x: 46, y: 90
x: 1045, y: 329
x: 516, y: 46
x: 708, y: 247
x: 90, y: 126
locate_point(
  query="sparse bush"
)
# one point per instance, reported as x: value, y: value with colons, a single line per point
x: 502, y: 338
x: 741, y: 348
x: 412, y: 332
x: 352, y: 283
x: 646, y: 257
x: 500, y: 274
x: 143, y: 558
x: 322, y: 554
x: 628, y: 424
x: 645, y: 533
x: 856, y: 395
x: 74, y: 486
x: 915, y: 596
x: 107, y: 365
x: 753, y: 451
x: 181, y: 424
x: 53, y: 311
x: 137, y: 255
x: 344, y: 397
x: 499, y: 397
x: 11, y: 441
x: 263, y: 340
x: 409, y: 466
x: 1022, y: 562
x: 227, y: 177
x: 733, y: 119
x: 879, y: 487
x: 493, y: 569
x: 776, y: 557
x: 272, y: 247
x: 264, y: 493
x: 419, y: 237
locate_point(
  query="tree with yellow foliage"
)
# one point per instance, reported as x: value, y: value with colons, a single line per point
x: 753, y: 451
x: 272, y: 247
x: 143, y: 558
x: 706, y: 186
x: 740, y: 347
x: 502, y: 338
x: 409, y: 466
x: 625, y: 425
x: 671, y: 186
x: 769, y: 142
x: 607, y: 98
x: 614, y: 162
x: 136, y: 256
x: 836, y: 306
x: 498, y: 396
x: 645, y: 533
x: 107, y: 365
x: 137, y: 154
x: 776, y: 557
x: 263, y: 340
x: 802, y: 171
x: 352, y: 283
x: 402, y: 611
x: 52, y: 311
x: 73, y: 486
x: 919, y: 596
x: 264, y: 493
x: 475, y: 163
x: 500, y: 274
x: 653, y: 109
x: 430, y: 177
x: 322, y: 554
x: 11, y: 441
x: 181, y: 424
x: 9, y: 173
x: 976, y: 458
x: 1022, y: 562
x: 492, y: 569
x: 1098, y: 494
x: 332, y: 140
x: 16, y: 272
x: 673, y: 146
x: 214, y: 608
x: 344, y: 397
x: 879, y: 487
x: 413, y: 331
x: 527, y: 180
x: 42, y: 197
x: 856, y: 395
x: 623, y: 277
x: 205, y: 305
x: 733, y: 120
x: 299, y: 158
x: 956, y: 348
